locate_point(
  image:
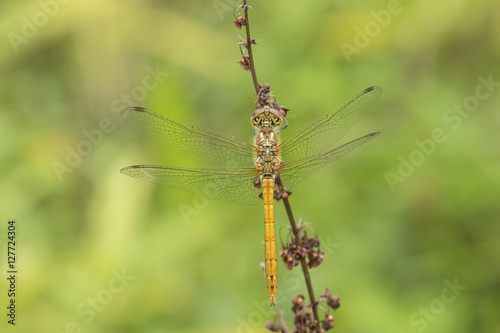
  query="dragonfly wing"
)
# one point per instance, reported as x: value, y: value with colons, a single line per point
x: 189, y: 141
x: 295, y: 172
x: 321, y: 134
x: 227, y: 185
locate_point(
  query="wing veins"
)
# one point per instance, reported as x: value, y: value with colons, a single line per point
x: 295, y: 172
x: 189, y: 141
x: 324, y: 132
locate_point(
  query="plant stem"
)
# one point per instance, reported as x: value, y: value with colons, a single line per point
x: 303, y: 263
x: 249, y: 48
x: 284, y: 327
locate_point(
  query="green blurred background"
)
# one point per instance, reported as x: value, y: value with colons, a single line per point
x: 393, y: 247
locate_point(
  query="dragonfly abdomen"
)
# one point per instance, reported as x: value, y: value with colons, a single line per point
x: 271, y: 259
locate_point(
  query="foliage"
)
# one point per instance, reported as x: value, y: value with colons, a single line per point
x: 409, y: 222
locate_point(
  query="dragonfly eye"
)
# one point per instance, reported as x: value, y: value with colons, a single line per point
x: 256, y: 120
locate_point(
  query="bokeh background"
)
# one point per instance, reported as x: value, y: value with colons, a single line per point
x: 409, y: 222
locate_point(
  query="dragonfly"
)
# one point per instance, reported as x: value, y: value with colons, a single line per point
x: 250, y: 172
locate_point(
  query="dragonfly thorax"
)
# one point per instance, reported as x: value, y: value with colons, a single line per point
x: 267, y: 154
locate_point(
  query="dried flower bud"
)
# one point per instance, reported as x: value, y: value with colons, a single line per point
x: 315, y: 258
x: 333, y: 302
x: 289, y: 255
x: 283, y: 110
x: 245, y: 62
x: 298, y: 303
x: 313, y: 242
x: 327, y: 323
x: 239, y: 22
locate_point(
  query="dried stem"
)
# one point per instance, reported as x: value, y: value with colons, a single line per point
x: 303, y: 263
x: 249, y: 48
x: 284, y: 327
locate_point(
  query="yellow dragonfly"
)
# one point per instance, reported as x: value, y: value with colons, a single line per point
x: 251, y: 170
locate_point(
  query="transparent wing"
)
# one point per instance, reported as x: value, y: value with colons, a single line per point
x: 321, y: 134
x: 295, y: 172
x: 227, y: 185
x: 189, y: 141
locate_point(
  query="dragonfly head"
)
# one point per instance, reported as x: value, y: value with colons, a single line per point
x: 268, y: 118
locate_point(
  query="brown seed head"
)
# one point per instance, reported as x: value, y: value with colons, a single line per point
x: 239, y: 22
x: 245, y: 62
